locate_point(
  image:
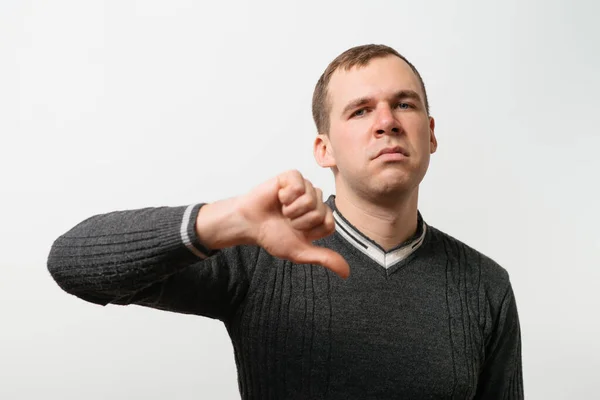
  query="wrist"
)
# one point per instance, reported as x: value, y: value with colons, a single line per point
x: 221, y: 224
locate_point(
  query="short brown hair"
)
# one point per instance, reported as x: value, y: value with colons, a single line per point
x: 355, y: 56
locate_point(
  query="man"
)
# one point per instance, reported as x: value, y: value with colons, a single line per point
x: 354, y: 298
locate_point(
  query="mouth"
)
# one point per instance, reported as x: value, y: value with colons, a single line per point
x: 396, y: 150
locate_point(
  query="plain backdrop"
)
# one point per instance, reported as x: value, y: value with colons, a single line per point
x: 111, y: 105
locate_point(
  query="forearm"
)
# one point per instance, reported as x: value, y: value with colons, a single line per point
x: 113, y: 255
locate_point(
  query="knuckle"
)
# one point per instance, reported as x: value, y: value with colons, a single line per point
x: 320, y: 216
x: 304, y: 203
x: 292, y: 173
x: 328, y: 224
x: 315, y: 219
x: 293, y: 181
x: 311, y: 202
x: 287, y: 211
x: 297, y: 189
x: 296, y: 176
x: 294, y: 190
x: 308, y: 186
x: 308, y: 221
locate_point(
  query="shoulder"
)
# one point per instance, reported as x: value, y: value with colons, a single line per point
x: 491, y: 274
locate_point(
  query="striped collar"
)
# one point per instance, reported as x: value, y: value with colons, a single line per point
x: 371, y: 249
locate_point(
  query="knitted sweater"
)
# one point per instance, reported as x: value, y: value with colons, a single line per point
x: 429, y: 319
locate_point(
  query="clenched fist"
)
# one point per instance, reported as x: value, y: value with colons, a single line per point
x: 285, y: 214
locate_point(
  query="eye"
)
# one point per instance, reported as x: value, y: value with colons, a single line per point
x: 403, y: 106
x: 359, y: 113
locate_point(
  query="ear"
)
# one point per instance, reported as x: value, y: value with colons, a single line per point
x: 323, y: 151
x: 433, y: 144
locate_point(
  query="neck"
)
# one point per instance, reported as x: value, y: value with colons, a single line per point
x: 388, y: 223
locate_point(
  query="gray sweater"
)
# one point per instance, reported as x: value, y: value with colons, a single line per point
x: 429, y: 319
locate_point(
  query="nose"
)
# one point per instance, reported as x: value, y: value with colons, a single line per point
x: 386, y: 122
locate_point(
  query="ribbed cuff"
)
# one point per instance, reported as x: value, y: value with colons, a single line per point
x: 188, y: 232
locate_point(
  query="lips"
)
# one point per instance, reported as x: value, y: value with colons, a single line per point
x: 393, y: 150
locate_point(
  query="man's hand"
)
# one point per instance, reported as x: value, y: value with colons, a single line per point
x: 285, y: 214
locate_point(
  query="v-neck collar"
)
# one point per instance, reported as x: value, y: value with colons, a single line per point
x: 371, y: 249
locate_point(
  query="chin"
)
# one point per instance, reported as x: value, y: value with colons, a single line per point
x: 395, y: 188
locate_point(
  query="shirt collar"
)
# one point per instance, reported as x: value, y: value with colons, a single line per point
x: 369, y: 247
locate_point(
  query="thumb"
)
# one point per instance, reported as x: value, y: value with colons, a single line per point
x: 327, y: 258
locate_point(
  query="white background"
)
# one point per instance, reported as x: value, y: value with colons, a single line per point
x: 124, y: 104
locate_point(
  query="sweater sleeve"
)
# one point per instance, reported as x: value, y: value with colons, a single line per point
x: 151, y: 257
x: 501, y: 376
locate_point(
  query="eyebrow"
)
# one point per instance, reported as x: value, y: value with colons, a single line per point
x: 402, y: 94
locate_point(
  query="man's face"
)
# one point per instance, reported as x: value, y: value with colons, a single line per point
x: 376, y: 107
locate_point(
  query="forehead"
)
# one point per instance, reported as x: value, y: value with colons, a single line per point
x: 381, y: 77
